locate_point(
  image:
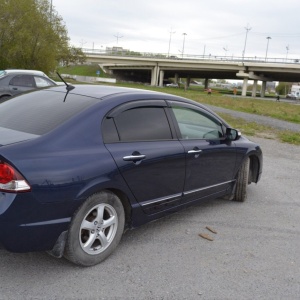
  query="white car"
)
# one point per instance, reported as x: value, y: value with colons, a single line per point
x: 15, y: 81
x: 172, y: 85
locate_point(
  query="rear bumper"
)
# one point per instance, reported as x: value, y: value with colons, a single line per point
x: 39, y: 236
x: 28, y: 225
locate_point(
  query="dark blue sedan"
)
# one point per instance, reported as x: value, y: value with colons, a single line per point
x: 78, y: 166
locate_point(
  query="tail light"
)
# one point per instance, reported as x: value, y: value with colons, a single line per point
x: 11, y: 180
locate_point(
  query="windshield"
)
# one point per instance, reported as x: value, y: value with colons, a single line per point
x: 2, y: 73
x: 42, y: 111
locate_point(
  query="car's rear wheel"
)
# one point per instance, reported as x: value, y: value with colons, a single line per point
x: 95, y: 230
x: 242, y: 182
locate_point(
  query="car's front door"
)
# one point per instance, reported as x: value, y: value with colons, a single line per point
x: 210, y: 158
x: 152, y: 162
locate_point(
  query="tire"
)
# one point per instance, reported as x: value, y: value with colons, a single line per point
x: 95, y: 230
x: 242, y: 182
x: 4, y: 98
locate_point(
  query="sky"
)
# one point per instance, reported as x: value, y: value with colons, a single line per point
x: 193, y: 27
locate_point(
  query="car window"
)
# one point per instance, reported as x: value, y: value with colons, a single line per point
x: 137, y: 124
x: 195, y: 124
x: 42, y: 82
x: 41, y: 111
x: 22, y: 80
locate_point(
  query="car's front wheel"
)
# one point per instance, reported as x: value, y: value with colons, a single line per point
x: 242, y: 182
x: 4, y: 98
x: 95, y: 230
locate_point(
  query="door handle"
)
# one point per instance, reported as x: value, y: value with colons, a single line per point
x: 194, y: 151
x: 134, y: 157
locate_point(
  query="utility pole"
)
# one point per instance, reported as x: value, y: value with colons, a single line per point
x: 118, y: 37
x: 247, y: 29
x: 287, y: 52
x: 268, y: 38
x: 184, y: 34
x: 225, y: 49
x: 51, y: 11
x: 171, y: 32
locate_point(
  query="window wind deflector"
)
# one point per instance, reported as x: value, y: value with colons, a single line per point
x: 136, y: 104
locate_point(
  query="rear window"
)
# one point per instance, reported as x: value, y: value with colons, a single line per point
x: 41, y: 111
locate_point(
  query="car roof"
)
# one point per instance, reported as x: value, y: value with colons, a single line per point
x: 22, y: 71
x: 100, y: 91
x: 107, y: 92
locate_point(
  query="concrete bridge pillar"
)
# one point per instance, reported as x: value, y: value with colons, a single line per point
x: 154, y: 76
x: 187, y: 82
x: 263, y: 88
x: 254, y: 89
x: 161, y: 78
x: 244, y: 89
x: 206, y: 83
x: 176, y: 78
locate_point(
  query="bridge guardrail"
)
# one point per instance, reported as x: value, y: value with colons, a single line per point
x: 190, y: 56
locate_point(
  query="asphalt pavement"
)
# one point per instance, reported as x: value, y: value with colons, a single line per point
x: 253, y: 255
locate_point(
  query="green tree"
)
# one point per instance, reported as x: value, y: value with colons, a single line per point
x: 32, y: 36
x: 283, y: 88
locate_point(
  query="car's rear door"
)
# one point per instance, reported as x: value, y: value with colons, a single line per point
x: 21, y: 83
x: 210, y: 158
x: 140, y: 138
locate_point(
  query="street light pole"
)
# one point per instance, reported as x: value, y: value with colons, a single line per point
x: 268, y: 38
x: 247, y: 29
x: 225, y: 49
x: 287, y: 52
x: 118, y: 37
x: 184, y: 34
x: 171, y: 32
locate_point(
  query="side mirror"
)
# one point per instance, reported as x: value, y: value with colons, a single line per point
x: 233, y: 134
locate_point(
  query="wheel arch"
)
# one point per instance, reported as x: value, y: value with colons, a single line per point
x: 118, y: 192
x: 254, y: 169
x: 4, y: 97
x: 126, y: 204
x: 120, y: 189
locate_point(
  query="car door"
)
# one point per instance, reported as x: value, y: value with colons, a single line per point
x: 21, y: 83
x: 140, y: 139
x: 210, y: 158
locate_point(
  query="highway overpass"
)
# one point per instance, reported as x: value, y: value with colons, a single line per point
x: 155, y: 70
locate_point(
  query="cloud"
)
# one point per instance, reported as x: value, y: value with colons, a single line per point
x: 213, y: 25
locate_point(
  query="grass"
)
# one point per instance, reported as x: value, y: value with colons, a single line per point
x: 82, y: 70
x: 263, y: 131
x: 278, y: 110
